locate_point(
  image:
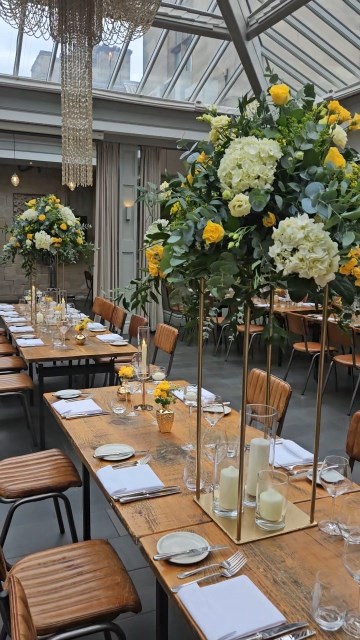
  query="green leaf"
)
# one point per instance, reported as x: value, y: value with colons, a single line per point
x: 308, y: 206
x: 323, y: 210
x: 342, y: 286
x: 279, y: 201
x: 348, y: 238
x: 258, y: 199
x: 311, y: 158
x: 313, y: 189
x: 352, y: 215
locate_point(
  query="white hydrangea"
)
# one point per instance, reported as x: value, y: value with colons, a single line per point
x: 249, y: 163
x: 154, y: 228
x: 302, y: 246
x: 29, y: 214
x: 339, y: 136
x: 42, y: 240
x: 67, y: 216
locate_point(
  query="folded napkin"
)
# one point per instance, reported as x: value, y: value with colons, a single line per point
x: 6, y: 306
x: 15, y: 319
x: 95, y: 325
x: 77, y: 407
x: 307, y: 304
x: 129, y: 479
x: 33, y: 342
x: 233, y: 605
x: 112, y: 337
x: 9, y: 314
x: 205, y: 395
x: 288, y: 452
x: 25, y: 329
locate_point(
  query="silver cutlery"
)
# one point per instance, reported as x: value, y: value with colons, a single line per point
x: 118, y: 452
x: 288, y: 628
x: 147, y: 496
x: 225, y: 564
x: 134, y: 463
x: 290, y: 467
x: 223, y: 573
x: 70, y: 416
x: 124, y: 493
x: 195, y: 551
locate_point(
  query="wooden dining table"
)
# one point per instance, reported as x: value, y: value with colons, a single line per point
x: 283, y: 567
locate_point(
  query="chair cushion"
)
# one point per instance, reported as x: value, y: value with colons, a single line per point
x: 15, y: 382
x: 6, y: 349
x: 76, y: 584
x: 312, y: 347
x: 12, y: 363
x: 3, y: 339
x: 36, y: 473
x: 22, y: 626
x: 253, y: 328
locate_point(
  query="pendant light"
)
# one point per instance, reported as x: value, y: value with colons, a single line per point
x: 15, y: 180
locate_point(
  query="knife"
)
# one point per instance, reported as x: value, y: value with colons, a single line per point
x: 142, y: 492
x: 86, y: 415
x: 272, y: 632
x: 146, y: 496
x: 195, y: 551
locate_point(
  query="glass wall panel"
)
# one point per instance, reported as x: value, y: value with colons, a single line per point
x: 35, y: 57
x: 169, y: 58
x: 8, y: 37
x: 198, y: 62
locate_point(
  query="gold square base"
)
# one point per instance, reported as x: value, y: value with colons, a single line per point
x: 295, y: 520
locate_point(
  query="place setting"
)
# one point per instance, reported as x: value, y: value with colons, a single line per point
x: 74, y: 407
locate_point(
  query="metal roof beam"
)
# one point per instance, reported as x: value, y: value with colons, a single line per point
x: 52, y: 61
x: 208, y: 71
x: 280, y: 62
x: 248, y: 52
x: 152, y: 60
x: 256, y: 26
x: 187, y: 20
x: 19, y: 42
x: 229, y: 85
x: 118, y: 64
x: 335, y: 23
x: 181, y: 66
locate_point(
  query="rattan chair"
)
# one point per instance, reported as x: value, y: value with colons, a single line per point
x: 344, y: 340
x: 19, y: 384
x: 353, y: 440
x: 280, y: 394
x: 165, y: 339
x: 70, y: 591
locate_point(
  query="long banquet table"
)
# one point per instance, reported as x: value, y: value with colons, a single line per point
x: 283, y: 567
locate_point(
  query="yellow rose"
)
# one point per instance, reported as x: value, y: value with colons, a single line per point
x: 347, y: 268
x: 57, y: 200
x: 29, y: 236
x: 126, y: 372
x: 354, y: 253
x: 56, y: 240
x: 213, y: 232
x: 269, y: 220
x: 63, y: 226
x: 333, y: 118
x: 41, y: 217
x: 356, y: 273
x: 153, y: 269
x: 202, y: 158
x: 355, y: 122
x: 79, y: 240
x: 31, y: 203
x: 280, y: 94
x: 335, y: 157
x: 164, y: 386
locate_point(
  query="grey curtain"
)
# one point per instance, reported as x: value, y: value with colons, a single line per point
x: 149, y: 172
x: 106, y: 259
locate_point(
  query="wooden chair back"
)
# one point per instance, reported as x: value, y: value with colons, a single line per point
x: 280, y: 393
x: 353, y: 439
x: 3, y: 568
x: 337, y: 337
x: 297, y: 324
x: 21, y: 622
x: 118, y: 318
x: 107, y: 310
x: 135, y: 323
x: 97, y: 306
x: 165, y: 339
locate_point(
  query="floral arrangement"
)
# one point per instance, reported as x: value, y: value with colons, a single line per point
x: 126, y: 371
x: 271, y: 199
x: 46, y: 227
x: 163, y: 395
x: 81, y: 326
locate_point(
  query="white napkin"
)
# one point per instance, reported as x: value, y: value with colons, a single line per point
x: 205, y: 395
x: 95, y: 325
x: 33, y: 342
x: 9, y: 314
x: 77, y: 407
x: 288, y: 452
x: 112, y: 337
x: 6, y: 306
x: 24, y: 329
x: 308, y: 304
x: 129, y: 479
x: 234, y: 605
x: 15, y: 319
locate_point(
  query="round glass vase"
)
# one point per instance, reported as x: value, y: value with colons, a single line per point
x: 165, y: 419
x: 226, y: 479
x: 260, y: 450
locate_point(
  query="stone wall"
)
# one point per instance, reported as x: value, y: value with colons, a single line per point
x: 40, y: 182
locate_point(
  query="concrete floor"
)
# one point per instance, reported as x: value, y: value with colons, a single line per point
x: 35, y: 528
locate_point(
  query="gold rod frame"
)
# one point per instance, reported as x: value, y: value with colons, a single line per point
x: 199, y: 383
x: 269, y: 347
x: 319, y: 399
x: 243, y: 420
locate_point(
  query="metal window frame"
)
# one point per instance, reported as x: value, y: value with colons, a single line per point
x: 210, y: 68
x: 256, y: 26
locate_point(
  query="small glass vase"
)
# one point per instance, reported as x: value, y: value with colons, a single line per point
x: 165, y: 420
x: 226, y: 479
x: 260, y: 450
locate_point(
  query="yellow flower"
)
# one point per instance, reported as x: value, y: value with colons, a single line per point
x: 154, y: 255
x: 164, y: 386
x: 29, y: 236
x: 280, y: 94
x: 63, y: 226
x: 335, y: 157
x: 176, y: 208
x: 190, y: 178
x: 202, y: 158
x: 346, y: 269
x: 31, y: 203
x: 356, y: 273
x: 342, y: 114
x: 269, y: 220
x: 79, y: 240
x: 41, y: 217
x: 213, y: 232
x: 126, y: 371
x: 354, y: 253
x: 77, y: 327
x: 355, y: 122
x: 56, y: 240
x: 57, y: 200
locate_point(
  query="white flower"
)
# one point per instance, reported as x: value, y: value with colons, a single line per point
x: 240, y: 205
x: 28, y: 243
x: 29, y: 214
x: 302, y: 246
x: 339, y: 136
x: 155, y: 227
x: 67, y: 216
x: 42, y: 240
x: 164, y: 186
x: 249, y: 163
x: 165, y: 192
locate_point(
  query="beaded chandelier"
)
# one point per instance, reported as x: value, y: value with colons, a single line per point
x: 79, y: 25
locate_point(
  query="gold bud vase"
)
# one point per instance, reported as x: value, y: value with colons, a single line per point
x: 80, y: 338
x: 165, y: 420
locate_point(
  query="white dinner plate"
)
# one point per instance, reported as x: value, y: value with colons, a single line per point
x: 66, y: 394
x: 118, y: 343
x: 114, y: 451
x: 98, y: 330
x: 183, y: 541
x: 227, y: 410
x: 27, y: 336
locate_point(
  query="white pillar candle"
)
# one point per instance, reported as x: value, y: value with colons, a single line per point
x: 39, y: 318
x: 228, y: 488
x: 258, y: 460
x: 143, y: 357
x: 271, y: 505
x: 63, y: 308
x: 158, y: 375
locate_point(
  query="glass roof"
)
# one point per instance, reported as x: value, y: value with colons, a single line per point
x: 188, y: 54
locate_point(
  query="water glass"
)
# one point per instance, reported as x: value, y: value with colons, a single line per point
x: 328, y: 606
x: 190, y: 472
x: 271, y: 500
x: 351, y: 560
x: 348, y: 515
x: 118, y: 406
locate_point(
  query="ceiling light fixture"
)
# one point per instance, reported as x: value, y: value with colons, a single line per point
x: 71, y: 185
x: 15, y: 180
x: 78, y: 26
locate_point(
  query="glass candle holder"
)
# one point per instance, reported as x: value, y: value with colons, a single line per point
x: 263, y: 418
x: 226, y: 479
x: 271, y: 500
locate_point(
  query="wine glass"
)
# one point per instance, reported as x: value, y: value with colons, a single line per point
x: 64, y: 326
x: 351, y: 560
x: 213, y: 410
x: 190, y: 399
x: 335, y: 477
x: 132, y: 386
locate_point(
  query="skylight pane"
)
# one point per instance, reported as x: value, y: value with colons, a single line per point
x: 8, y: 37
x: 35, y: 57
x: 168, y: 60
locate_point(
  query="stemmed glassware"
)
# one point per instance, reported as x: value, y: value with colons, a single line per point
x: 335, y: 477
x: 64, y: 326
x: 212, y: 410
x: 351, y: 560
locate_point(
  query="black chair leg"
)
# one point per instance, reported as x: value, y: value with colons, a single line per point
x: 289, y: 365
x: 313, y: 360
x: 70, y: 517
x: 328, y: 376
x: 7, y: 523
x: 58, y: 515
x: 29, y: 421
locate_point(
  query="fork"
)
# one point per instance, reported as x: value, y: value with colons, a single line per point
x: 225, y: 564
x: 225, y: 573
x: 134, y: 463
